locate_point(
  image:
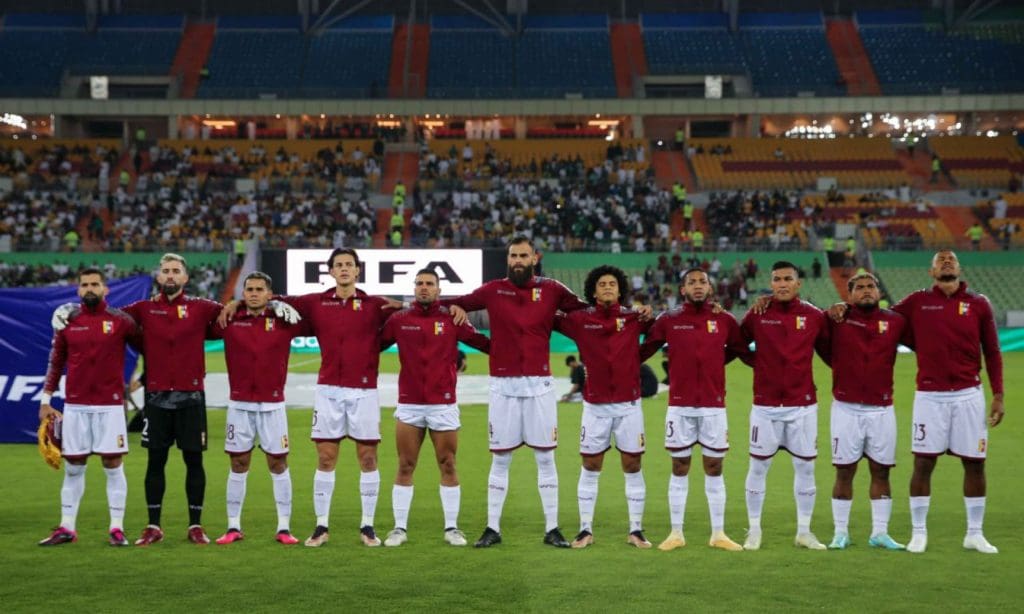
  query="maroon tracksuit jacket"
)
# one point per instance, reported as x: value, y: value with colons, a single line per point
x: 609, y: 342
x: 173, y: 333
x: 256, y: 350
x: 785, y: 337
x: 950, y: 335
x: 348, y: 332
x: 427, y: 350
x: 521, y: 322
x: 92, y: 347
x: 700, y: 343
x: 862, y: 352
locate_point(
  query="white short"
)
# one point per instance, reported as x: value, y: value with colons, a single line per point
x: 93, y: 429
x: 513, y: 421
x: 346, y: 412
x: 247, y: 421
x: 952, y: 422
x: 794, y: 429
x: 687, y: 426
x: 860, y: 430
x: 433, y: 417
x: 602, y: 420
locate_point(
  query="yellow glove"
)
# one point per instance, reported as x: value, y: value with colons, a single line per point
x: 49, y: 441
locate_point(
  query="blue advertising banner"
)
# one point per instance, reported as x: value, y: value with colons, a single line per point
x: 25, y: 336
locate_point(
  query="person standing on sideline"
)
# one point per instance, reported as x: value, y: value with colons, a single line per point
x: 428, y: 351
x: 785, y: 411
x: 608, y: 336
x: 522, y: 408
x: 257, y: 345
x: 862, y: 353
x: 952, y: 329
x: 92, y: 348
x: 700, y: 343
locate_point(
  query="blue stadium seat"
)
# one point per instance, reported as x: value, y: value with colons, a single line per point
x: 920, y: 59
x: 36, y: 57
x: 554, y: 55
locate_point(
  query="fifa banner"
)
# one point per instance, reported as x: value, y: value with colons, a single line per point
x: 388, y: 272
x: 26, y: 336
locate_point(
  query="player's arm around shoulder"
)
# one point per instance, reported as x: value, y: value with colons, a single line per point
x: 469, y: 335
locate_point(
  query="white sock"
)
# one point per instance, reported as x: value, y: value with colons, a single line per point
x: 678, y: 489
x: 323, y: 490
x: 919, y: 515
x: 497, y: 488
x: 451, y: 500
x: 369, y: 489
x: 235, y: 498
x: 283, y: 498
x: 401, y: 501
x: 975, y: 514
x: 804, y: 491
x: 714, y: 490
x: 841, y: 514
x: 881, y: 510
x: 636, y: 497
x: 117, y: 495
x: 547, y: 485
x: 586, y: 498
x: 71, y: 494
x: 757, y: 479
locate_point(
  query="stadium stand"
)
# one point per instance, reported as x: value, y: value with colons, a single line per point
x: 980, y: 161
x: 691, y: 44
x: 912, y: 54
x: 38, y: 49
x: 554, y: 56
x: 783, y: 53
x: 996, y: 275
x: 789, y: 164
x: 534, y: 158
x: 256, y: 55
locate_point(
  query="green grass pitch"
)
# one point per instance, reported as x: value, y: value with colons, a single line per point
x: 521, y: 574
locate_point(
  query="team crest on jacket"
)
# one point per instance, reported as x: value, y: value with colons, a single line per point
x: 108, y: 327
x: 712, y: 326
x: 438, y: 328
x: 268, y: 324
x: 182, y: 312
x: 962, y: 308
x: 620, y: 323
x: 357, y: 304
x: 882, y: 327
x: 536, y: 295
x: 801, y: 322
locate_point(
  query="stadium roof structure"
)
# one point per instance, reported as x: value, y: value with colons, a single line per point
x: 500, y: 11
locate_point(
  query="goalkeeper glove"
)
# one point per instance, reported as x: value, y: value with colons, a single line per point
x: 61, y: 315
x: 49, y: 440
x: 285, y: 311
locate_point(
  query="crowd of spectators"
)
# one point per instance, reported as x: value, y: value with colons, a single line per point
x: 759, y: 220
x: 591, y: 209
x: 468, y: 164
x: 206, y: 281
x: 658, y: 286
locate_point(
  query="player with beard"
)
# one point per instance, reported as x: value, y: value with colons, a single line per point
x: 608, y: 336
x: 92, y: 347
x: 522, y: 408
x: 701, y: 340
x: 174, y: 328
x: 863, y: 423
x: 952, y: 328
